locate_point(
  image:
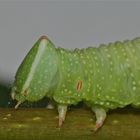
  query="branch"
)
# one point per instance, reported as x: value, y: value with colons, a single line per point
x: 41, y: 124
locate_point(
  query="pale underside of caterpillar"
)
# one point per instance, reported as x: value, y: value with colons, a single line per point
x: 104, y: 78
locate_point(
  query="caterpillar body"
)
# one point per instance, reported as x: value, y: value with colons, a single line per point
x: 104, y: 78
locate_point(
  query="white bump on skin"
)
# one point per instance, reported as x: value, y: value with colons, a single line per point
x: 107, y: 97
x: 69, y: 102
x: 112, y: 97
x: 88, y: 90
x: 97, y: 64
x: 61, y: 51
x: 63, y: 85
x: 133, y: 82
x: 108, y: 55
x: 84, y: 93
x: 46, y: 71
x: 121, y: 102
x: 98, y: 85
x: 111, y: 63
x: 86, y: 71
x: 84, y: 62
x: 134, y: 88
x: 95, y: 58
x: 89, y: 80
x: 98, y: 95
x: 65, y: 90
x: 101, y: 103
x: 132, y: 75
x: 124, y: 54
x: 93, y: 52
x: 133, y: 50
x: 128, y: 65
x: 118, y: 56
x: 119, y: 79
x: 107, y: 103
x: 115, y: 52
x: 103, y: 78
x: 90, y: 65
x: 106, y: 50
x: 82, y: 56
x: 96, y: 102
x: 91, y: 71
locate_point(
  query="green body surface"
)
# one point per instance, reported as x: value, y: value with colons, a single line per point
x: 110, y: 75
x: 107, y: 76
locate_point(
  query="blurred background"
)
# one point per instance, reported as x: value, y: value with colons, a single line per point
x: 69, y: 24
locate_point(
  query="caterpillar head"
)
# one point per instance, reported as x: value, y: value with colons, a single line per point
x: 37, y: 75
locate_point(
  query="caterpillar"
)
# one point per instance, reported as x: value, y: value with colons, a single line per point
x: 104, y: 77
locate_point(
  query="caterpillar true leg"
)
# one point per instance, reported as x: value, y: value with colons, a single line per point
x: 62, y: 110
x: 100, y: 117
x: 17, y: 105
x: 50, y: 105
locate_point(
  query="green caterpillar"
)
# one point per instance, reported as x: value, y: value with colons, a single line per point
x: 104, y: 78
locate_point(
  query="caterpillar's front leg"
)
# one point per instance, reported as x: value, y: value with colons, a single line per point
x: 62, y: 110
x: 100, y: 117
x: 50, y: 105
